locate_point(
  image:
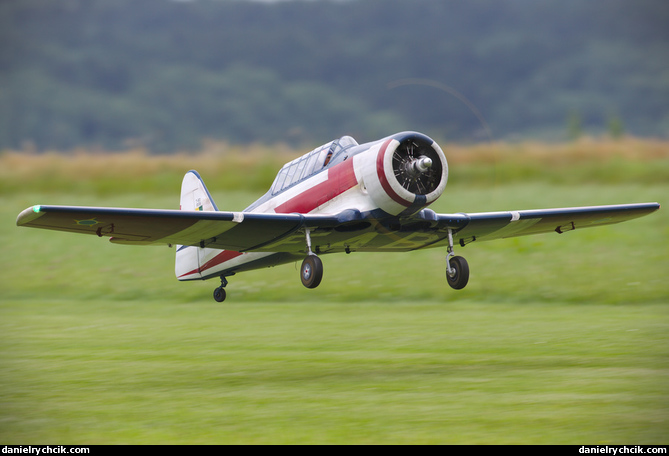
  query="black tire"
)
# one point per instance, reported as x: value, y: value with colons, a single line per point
x: 219, y: 294
x: 311, y: 271
x: 461, y: 276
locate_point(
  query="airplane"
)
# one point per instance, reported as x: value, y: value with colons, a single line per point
x: 340, y: 197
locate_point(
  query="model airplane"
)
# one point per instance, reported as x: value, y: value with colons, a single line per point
x: 340, y: 197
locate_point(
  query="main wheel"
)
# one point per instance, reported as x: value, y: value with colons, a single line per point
x: 311, y: 271
x: 459, y: 280
x: 219, y: 294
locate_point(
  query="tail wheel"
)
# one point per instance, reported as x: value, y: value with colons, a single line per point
x: 460, y: 273
x: 311, y: 271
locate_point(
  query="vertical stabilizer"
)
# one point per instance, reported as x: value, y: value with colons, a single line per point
x: 194, y: 197
x: 194, y: 194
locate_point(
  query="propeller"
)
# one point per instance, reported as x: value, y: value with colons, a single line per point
x: 417, y: 167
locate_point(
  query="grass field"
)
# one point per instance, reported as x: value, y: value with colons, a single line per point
x: 556, y: 339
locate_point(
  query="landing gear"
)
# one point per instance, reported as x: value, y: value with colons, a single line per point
x: 311, y: 271
x: 219, y: 293
x: 457, y: 272
x: 457, y: 269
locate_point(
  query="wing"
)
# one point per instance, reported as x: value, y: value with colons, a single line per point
x: 237, y: 231
x: 428, y: 229
x: 346, y: 231
x: 497, y: 225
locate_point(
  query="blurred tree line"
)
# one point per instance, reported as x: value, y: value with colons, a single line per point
x: 166, y: 74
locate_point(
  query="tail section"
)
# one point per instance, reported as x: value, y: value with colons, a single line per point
x: 194, y: 197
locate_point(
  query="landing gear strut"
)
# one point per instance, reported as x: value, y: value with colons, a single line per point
x: 219, y: 293
x: 311, y: 271
x: 457, y: 269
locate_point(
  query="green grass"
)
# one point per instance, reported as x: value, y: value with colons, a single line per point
x: 558, y: 339
x: 359, y: 372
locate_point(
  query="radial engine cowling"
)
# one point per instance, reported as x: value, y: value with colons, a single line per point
x: 405, y: 173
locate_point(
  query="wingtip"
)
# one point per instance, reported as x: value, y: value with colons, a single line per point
x: 28, y: 215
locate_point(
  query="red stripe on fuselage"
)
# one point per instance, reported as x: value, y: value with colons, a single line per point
x: 222, y: 257
x: 381, y: 172
x: 340, y: 178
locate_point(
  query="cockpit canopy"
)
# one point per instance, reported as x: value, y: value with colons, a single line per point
x: 311, y: 163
